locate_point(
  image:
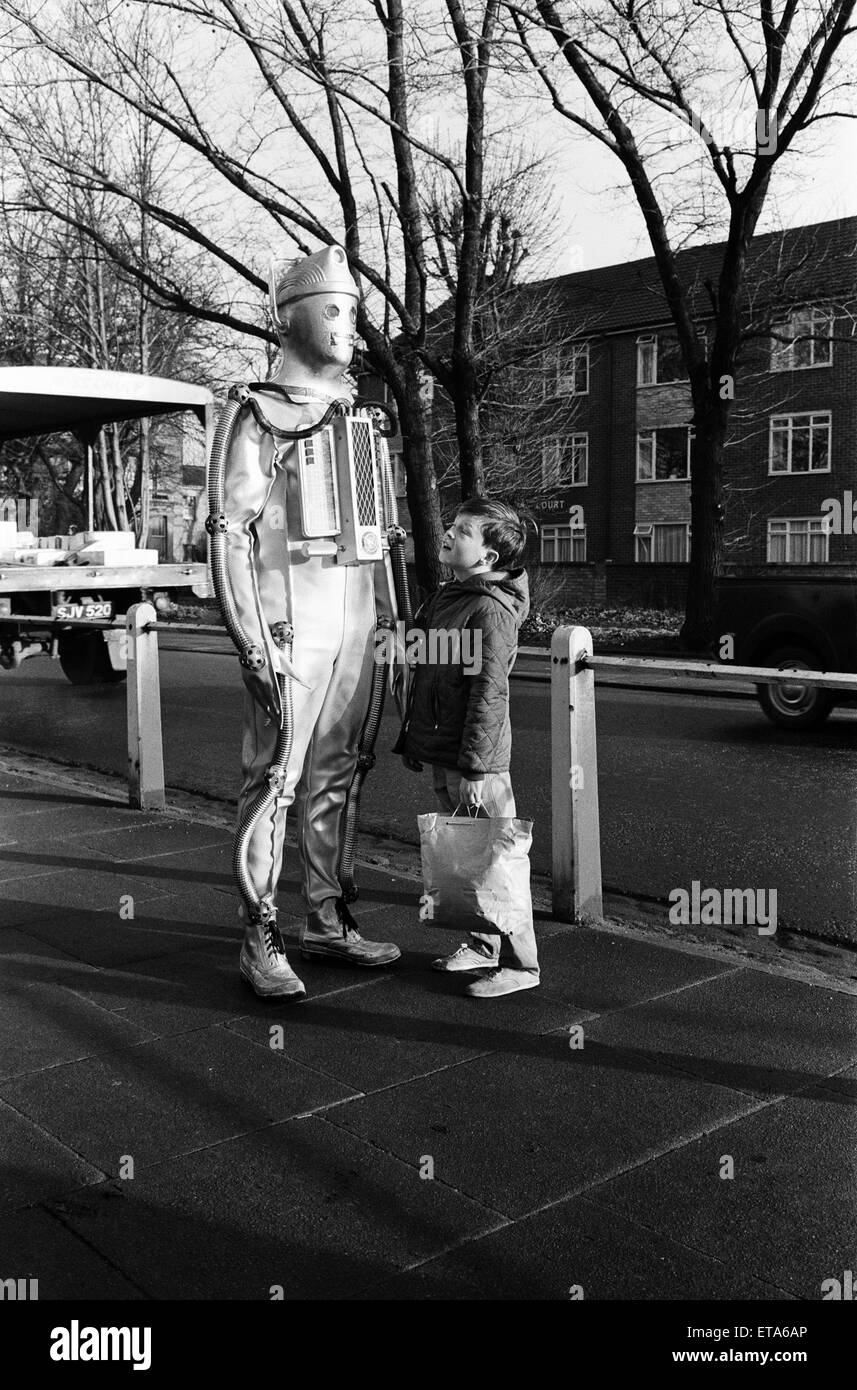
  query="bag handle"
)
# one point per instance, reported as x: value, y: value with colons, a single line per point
x: 479, y: 812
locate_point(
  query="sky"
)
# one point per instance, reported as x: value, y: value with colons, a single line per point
x: 598, y: 221
x: 603, y: 224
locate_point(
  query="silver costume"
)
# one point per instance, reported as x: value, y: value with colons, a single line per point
x: 307, y: 560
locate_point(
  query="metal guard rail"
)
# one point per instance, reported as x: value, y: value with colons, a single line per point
x: 705, y: 670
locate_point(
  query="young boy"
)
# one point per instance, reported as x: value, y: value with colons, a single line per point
x: 458, y: 712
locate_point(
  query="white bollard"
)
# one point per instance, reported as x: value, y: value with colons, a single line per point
x: 575, y: 830
x: 145, y: 743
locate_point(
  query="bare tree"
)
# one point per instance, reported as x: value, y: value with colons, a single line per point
x: 653, y: 79
x: 67, y: 246
x: 335, y: 134
x: 525, y: 337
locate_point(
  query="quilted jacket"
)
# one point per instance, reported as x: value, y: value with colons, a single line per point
x: 458, y: 711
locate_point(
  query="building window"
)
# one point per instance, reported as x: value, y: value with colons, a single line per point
x: 800, y: 443
x: 662, y: 543
x: 663, y: 456
x: 797, y: 540
x: 659, y: 359
x: 565, y: 461
x: 563, y: 544
x: 814, y: 328
x: 566, y: 371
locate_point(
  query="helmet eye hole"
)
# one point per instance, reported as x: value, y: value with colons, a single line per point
x: 331, y: 311
x: 353, y: 315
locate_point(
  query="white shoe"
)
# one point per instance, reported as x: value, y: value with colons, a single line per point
x: 465, y: 958
x: 264, y: 966
x: 502, y: 981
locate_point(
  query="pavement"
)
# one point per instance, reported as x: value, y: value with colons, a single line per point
x: 662, y: 1119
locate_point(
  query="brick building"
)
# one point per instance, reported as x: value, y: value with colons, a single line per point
x: 606, y: 468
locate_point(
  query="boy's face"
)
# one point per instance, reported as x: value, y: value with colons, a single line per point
x: 464, y: 548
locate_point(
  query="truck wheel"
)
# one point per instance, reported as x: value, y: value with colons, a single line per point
x: 85, y: 660
x: 795, y: 706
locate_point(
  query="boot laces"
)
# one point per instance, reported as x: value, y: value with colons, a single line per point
x: 349, y: 926
x: 274, y: 941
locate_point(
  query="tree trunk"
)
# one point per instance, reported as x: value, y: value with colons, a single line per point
x: 706, y: 519
x: 118, y: 481
x: 423, y: 499
x: 145, y: 490
x: 108, y: 511
x: 468, y: 429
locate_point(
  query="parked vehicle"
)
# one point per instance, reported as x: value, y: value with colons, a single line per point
x: 93, y: 576
x: 802, y: 621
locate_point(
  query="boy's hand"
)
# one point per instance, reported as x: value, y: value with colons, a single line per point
x: 411, y: 764
x: 470, y: 792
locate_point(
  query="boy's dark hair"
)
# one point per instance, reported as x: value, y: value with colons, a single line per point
x: 502, y: 528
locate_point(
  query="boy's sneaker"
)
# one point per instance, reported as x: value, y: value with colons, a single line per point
x: 502, y: 981
x: 465, y: 958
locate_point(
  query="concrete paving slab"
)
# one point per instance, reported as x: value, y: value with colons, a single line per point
x: 95, y: 854
x: 406, y: 1026
x: 11, y: 778
x: 15, y: 908
x: 843, y: 1085
x: 37, y: 1245
x: 789, y: 1214
x: 35, y: 1164
x: 25, y: 958
x: 43, y: 1025
x: 571, y: 1251
x: 22, y: 795
x: 96, y: 885
x: 104, y: 938
x: 72, y: 819
x: 749, y: 1029
x: 168, y: 1097
x: 207, y: 866
x: 213, y: 910
x: 188, y: 990
x: 19, y: 866
x: 151, y: 839
x: 541, y: 1120
x: 599, y: 971
x: 302, y: 1205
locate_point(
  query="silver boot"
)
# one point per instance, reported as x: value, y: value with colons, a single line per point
x: 264, y: 964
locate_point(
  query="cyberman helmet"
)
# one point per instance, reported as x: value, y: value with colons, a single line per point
x: 325, y: 272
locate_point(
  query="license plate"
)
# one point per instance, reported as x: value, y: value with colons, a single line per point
x: 101, y: 609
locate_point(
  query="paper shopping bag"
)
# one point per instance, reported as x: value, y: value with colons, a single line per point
x: 476, y: 872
